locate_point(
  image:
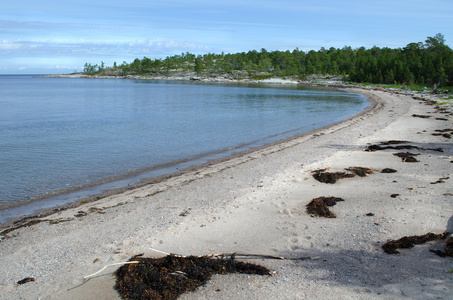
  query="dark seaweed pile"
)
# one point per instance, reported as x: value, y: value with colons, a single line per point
x: 359, y: 171
x: 446, y: 133
x: 407, y: 157
x: 331, y: 177
x: 410, y: 241
x: 320, y: 206
x: 170, y: 276
x: 387, y: 144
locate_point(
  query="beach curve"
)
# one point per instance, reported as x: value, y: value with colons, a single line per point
x: 255, y: 203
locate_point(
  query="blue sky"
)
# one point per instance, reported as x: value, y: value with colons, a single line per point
x: 49, y: 36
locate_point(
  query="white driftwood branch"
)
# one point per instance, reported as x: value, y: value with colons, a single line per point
x: 116, y: 264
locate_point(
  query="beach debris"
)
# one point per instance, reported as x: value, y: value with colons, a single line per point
x: 359, y: 171
x: 407, y: 156
x: 80, y: 214
x: 388, y: 170
x: 421, y: 116
x: 323, y: 176
x: 407, y: 242
x: 441, y: 180
x: 394, y: 195
x: 369, y: 214
x: 330, y: 177
x: 19, y: 224
x: 185, y: 213
x: 446, y: 133
x: 320, y: 206
x: 26, y: 280
x: 388, y: 145
x: 111, y: 265
x: 393, y: 142
x: 170, y: 276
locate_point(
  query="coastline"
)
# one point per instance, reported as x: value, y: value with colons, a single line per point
x: 20, y: 214
x: 255, y: 203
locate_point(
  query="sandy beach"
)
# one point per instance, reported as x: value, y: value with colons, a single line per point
x: 256, y: 203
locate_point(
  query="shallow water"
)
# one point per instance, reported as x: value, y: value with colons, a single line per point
x: 60, y: 134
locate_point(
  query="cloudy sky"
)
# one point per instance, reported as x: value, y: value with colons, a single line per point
x: 50, y: 36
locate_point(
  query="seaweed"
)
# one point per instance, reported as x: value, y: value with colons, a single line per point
x: 359, y: 171
x: 26, y: 280
x: 393, y: 142
x: 407, y: 156
x: 28, y: 224
x: 421, y: 116
x: 441, y: 180
x: 446, y: 133
x: 408, y: 242
x: 330, y: 177
x: 388, y: 170
x: 170, y: 276
x: 320, y: 206
x: 373, y: 148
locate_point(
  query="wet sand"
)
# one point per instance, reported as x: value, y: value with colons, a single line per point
x: 255, y: 203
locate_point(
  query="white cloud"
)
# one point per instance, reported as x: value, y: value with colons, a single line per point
x: 10, y: 45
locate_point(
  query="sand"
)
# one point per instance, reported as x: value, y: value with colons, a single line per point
x: 255, y: 203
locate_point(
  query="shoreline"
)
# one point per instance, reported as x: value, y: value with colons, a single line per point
x: 14, y: 218
x: 254, y: 203
x: 100, y: 192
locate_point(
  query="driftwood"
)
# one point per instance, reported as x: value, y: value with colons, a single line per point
x: 111, y: 265
x: 242, y: 255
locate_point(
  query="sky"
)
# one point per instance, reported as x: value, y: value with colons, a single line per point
x: 55, y: 37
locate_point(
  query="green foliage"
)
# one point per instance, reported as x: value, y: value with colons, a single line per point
x: 424, y: 64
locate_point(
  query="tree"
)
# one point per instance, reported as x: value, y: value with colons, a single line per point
x: 198, y: 66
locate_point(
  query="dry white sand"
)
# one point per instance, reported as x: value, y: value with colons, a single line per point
x: 256, y: 204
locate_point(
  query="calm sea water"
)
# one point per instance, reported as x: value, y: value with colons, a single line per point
x: 60, y: 134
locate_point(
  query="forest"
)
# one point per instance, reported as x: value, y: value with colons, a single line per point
x: 423, y: 63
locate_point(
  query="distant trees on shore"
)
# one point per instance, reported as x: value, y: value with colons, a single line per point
x: 419, y: 63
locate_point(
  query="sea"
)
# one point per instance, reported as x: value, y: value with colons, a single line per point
x: 65, y: 139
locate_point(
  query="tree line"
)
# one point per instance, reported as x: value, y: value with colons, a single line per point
x: 422, y: 63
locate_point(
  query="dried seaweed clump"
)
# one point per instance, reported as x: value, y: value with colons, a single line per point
x: 421, y: 116
x: 446, y: 133
x: 373, y: 148
x: 26, y: 280
x: 359, y: 171
x: 320, y: 206
x: 407, y: 157
x: 170, y: 276
x: 410, y: 241
x: 330, y: 177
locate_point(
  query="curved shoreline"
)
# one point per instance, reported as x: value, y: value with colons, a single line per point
x: 20, y: 214
x: 255, y: 203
